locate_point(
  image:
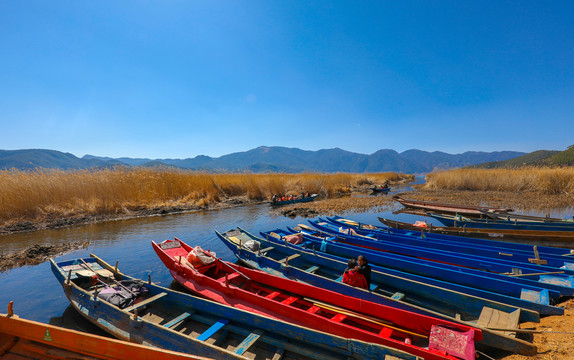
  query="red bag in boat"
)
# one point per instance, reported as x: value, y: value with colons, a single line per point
x: 453, y: 342
x: 197, y: 257
x: 294, y: 239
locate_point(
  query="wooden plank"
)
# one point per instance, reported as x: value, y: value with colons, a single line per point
x: 289, y: 258
x: 279, y: 354
x: 212, y: 329
x: 229, y: 277
x: 495, y: 319
x: 339, y: 317
x: 312, y: 269
x: 248, y: 342
x: 145, y: 302
x: 398, y: 296
x: 273, y: 295
x: 290, y: 300
x: 267, y: 249
x: 179, y: 319
x: 313, y: 309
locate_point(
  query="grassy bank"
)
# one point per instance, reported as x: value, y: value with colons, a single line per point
x: 549, y: 181
x: 45, y: 195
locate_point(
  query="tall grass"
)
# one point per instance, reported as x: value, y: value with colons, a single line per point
x: 550, y: 181
x: 47, y: 194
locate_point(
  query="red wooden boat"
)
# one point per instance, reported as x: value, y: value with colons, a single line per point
x: 317, y: 308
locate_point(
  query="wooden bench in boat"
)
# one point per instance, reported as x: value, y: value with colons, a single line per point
x: 145, y: 302
x: 495, y: 319
x: 312, y: 269
x: 179, y: 319
x: 229, y: 277
x: 289, y: 258
x: 212, y: 329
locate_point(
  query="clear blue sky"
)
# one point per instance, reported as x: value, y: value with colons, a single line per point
x: 176, y: 79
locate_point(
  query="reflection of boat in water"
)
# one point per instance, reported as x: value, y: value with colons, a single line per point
x: 303, y: 199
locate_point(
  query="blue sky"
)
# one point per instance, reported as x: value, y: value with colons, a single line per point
x: 176, y: 79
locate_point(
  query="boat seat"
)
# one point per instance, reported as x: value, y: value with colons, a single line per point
x: 386, y: 332
x: 179, y: 319
x: 398, y: 296
x: 289, y: 258
x: 229, y: 277
x: 339, y: 317
x: 212, y: 329
x: 313, y: 309
x: 145, y: 302
x: 290, y: 300
x: 267, y: 249
x: 312, y: 269
x: 496, y: 319
x: 248, y: 342
x: 273, y: 295
x: 374, y: 287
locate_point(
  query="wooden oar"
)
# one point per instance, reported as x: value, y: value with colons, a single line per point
x: 114, y: 280
x: 362, y: 317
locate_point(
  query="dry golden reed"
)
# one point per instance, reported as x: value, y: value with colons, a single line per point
x: 50, y: 194
x: 550, y: 181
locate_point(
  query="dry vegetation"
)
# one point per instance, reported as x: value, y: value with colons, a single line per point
x: 49, y: 196
x: 549, y: 181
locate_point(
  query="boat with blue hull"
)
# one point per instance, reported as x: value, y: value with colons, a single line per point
x: 176, y: 321
x: 402, y: 228
x: 416, y: 239
x: 387, y: 289
x: 530, y: 274
x: 538, y: 299
x: 461, y: 221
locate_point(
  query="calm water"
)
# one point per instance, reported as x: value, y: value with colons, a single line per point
x: 38, y: 296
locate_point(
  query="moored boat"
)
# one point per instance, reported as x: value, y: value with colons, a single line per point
x: 450, y: 208
x: 558, y: 281
x: 553, y: 237
x: 149, y: 314
x: 301, y: 199
x: 311, y: 306
x: 530, y: 297
x: 463, y: 222
x: 27, y: 339
x: 387, y: 288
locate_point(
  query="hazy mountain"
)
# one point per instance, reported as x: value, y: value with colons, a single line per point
x: 268, y: 159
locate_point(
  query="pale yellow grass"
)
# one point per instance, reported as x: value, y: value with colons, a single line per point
x: 551, y: 181
x: 50, y: 194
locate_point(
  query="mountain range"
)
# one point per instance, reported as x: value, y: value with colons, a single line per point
x: 266, y: 159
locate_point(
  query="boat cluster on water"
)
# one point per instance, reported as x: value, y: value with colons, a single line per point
x: 432, y: 294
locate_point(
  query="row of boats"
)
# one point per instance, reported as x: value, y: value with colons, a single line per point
x: 432, y: 296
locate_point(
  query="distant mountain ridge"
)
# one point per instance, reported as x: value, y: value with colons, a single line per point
x: 536, y: 158
x: 267, y: 159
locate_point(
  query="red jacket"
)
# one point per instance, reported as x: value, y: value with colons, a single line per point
x: 353, y: 277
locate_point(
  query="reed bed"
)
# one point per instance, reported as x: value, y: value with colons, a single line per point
x: 548, y: 181
x: 44, y: 195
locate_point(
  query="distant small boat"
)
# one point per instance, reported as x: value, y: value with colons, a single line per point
x: 27, y: 339
x: 303, y: 199
x: 380, y: 189
x: 450, y: 208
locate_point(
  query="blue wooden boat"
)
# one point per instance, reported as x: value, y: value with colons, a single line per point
x: 461, y: 221
x: 176, y: 321
x: 302, y: 199
x: 413, y: 238
x: 545, y: 277
x: 22, y: 339
x: 387, y: 289
x: 378, y: 189
x: 517, y: 239
x: 538, y: 299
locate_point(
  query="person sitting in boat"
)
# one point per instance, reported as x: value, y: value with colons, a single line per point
x: 307, y: 194
x: 274, y: 199
x: 352, y: 275
x: 364, y: 268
